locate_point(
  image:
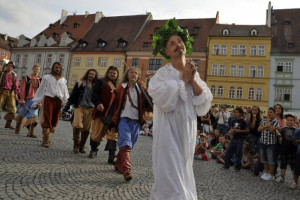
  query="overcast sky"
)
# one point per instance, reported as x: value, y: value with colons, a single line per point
x: 30, y: 17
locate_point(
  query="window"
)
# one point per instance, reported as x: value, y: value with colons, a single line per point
x: 222, y: 70
x: 223, y: 49
x: 252, y: 71
x: 280, y: 66
x: 61, y: 59
x: 242, y: 50
x: 220, y: 91
x: 253, y: 51
x: 146, y: 44
x: 38, y: 59
x: 55, y: 35
x: 216, y: 49
x: 214, y: 70
x: 25, y: 59
x: 283, y: 94
x: 233, y: 70
x: 225, y: 31
x: 101, y: 44
x: 241, y: 71
x: 261, y: 50
x: 89, y: 62
x: 117, y: 62
x: 234, y: 50
x: 18, y: 58
x: 102, y: 62
x: 74, y: 79
x: 63, y: 26
x: 258, y: 94
x: 288, y: 67
x: 121, y: 43
x: 77, y: 62
x: 135, y: 62
x: 75, y: 25
x: 260, y: 71
x: 253, y: 32
x: 213, y: 90
x: 239, y: 93
x: 155, y: 64
x: 231, y: 93
x: 251, y: 94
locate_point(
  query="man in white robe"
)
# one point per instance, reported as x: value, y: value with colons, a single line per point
x: 179, y: 95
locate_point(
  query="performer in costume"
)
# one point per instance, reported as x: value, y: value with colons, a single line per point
x: 9, y: 89
x: 102, y: 96
x: 28, y: 88
x: 81, y: 98
x: 52, y: 94
x: 129, y: 116
x: 179, y: 95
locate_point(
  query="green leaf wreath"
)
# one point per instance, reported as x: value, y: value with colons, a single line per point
x: 162, y: 35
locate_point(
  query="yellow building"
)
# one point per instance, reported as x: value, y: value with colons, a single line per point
x: 238, y: 65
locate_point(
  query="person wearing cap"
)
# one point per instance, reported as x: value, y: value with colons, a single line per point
x: 52, y: 94
x: 179, y: 95
x: 29, y: 85
x: 9, y: 89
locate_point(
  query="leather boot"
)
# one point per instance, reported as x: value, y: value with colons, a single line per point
x: 118, y: 166
x: 126, y: 163
x: 31, y: 131
x: 94, y: 148
x: 8, y: 125
x: 84, y: 136
x: 9, y: 117
x: 111, y: 147
x: 46, y: 137
x: 20, y: 121
x: 76, y: 133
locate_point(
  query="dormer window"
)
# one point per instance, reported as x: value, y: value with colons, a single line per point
x: 55, y: 35
x: 121, y: 43
x: 225, y: 31
x: 101, y: 43
x: 253, y: 32
x: 287, y: 22
x: 146, y: 44
x: 69, y: 34
x: 51, y: 26
x: 82, y: 44
x: 76, y: 25
x: 196, y: 28
x: 63, y: 26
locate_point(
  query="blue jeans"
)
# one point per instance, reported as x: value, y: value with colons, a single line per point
x: 268, y: 153
x: 235, y: 147
x: 128, y: 132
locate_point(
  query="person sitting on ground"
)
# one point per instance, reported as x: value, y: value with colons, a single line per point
x: 221, y: 157
x: 219, y: 148
x: 245, y: 157
x: 201, y: 148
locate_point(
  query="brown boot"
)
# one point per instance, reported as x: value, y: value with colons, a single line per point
x: 84, y: 136
x: 76, y: 132
x: 126, y: 163
x: 9, y: 117
x: 20, y: 121
x: 31, y: 131
x: 118, y: 166
x: 46, y: 137
x: 8, y: 125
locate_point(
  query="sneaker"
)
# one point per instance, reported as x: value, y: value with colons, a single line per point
x: 279, y: 179
x: 264, y: 176
x: 270, y: 178
x: 293, y: 185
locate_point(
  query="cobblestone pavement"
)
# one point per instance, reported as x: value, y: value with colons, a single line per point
x: 30, y: 171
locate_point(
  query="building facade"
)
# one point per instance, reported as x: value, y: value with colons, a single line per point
x: 6, y: 43
x: 239, y: 65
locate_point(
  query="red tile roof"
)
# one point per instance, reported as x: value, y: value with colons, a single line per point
x: 111, y: 29
x: 285, y: 30
x: 198, y: 28
x: 85, y: 23
x: 9, y: 43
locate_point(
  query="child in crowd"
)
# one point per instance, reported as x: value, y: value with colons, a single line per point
x: 296, y: 140
x: 287, y: 148
x: 238, y: 131
x: 221, y: 156
x: 219, y: 148
x: 245, y: 157
x: 201, y: 148
x: 210, y: 140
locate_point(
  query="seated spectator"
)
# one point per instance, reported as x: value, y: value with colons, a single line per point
x: 221, y: 157
x: 245, y: 157
x: 219, y: 148
x: 201, y: 148
x: 210, y: 140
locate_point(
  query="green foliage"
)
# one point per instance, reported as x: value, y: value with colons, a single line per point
x: 162, y: 35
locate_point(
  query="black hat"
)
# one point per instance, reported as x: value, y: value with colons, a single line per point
x: 12, y: 63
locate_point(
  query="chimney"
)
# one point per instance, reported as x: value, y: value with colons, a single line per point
x: 98, y: 16
x: 5, y: 36
x: 86, y: 14
x: 64, y: 15
x: 268, y: 17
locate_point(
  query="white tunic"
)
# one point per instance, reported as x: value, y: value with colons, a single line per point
x: 52, y: 88
x: 174, y: 133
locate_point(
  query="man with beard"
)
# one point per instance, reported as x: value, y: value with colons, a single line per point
x: 102, y: 96
x: 52, y: 94
x: 179, y: 95
x: 28, y: 88
x: 9, y: 89
x: 81, y: 98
